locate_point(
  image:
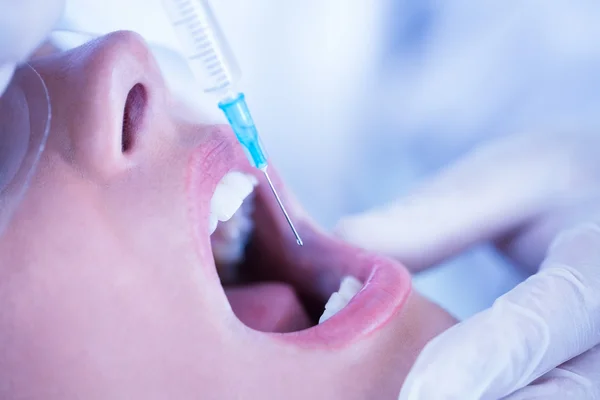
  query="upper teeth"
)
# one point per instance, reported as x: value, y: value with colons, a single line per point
x: 229, y: 195
x: 349, y: 287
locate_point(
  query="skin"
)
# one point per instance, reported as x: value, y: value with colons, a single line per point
x: 105, y: 284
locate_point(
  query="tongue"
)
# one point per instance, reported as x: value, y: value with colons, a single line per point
x: 268, y: 307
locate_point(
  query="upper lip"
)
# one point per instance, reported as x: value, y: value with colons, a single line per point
x: 316, y: 268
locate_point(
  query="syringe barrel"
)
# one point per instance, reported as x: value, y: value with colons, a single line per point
x: 203, y: 43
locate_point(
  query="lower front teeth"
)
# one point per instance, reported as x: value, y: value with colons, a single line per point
x: 349, y: 287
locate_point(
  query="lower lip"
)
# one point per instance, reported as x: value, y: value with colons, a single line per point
x: 386, y: 289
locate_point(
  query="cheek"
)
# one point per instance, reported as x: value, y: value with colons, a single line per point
x: 147, y: 212
x: 82, y: 307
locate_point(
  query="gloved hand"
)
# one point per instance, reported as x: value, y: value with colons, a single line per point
x: 24, y: 24
x: 519, y: 193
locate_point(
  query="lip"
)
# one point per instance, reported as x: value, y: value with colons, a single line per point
x: 319, y: 265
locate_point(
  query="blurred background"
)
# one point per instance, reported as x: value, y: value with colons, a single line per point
x: 358, y: 101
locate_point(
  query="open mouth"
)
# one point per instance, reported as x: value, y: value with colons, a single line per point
x: 323, y: 292
x: 259, y: 286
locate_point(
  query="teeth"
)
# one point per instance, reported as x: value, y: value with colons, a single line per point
x: 349, y: 287
x: 229, y: 196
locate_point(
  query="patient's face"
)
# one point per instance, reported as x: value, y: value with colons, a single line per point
x: 108, y: 282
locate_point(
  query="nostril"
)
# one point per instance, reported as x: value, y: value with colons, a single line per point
x: 133, y: 115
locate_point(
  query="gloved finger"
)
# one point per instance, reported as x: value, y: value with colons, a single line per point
x: 577, y: 379
x: 487, y: 194
x: 548, y: 319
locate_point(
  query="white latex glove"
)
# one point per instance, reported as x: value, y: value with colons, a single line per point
x: 519, y: 193
x: 24, y: 24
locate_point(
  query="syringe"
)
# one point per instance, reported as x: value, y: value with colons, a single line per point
x: 213, y: 65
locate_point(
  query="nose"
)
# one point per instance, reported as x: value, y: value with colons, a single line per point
x: 109, y: 98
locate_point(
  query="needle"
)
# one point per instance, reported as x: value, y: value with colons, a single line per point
x: 287, y: 217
